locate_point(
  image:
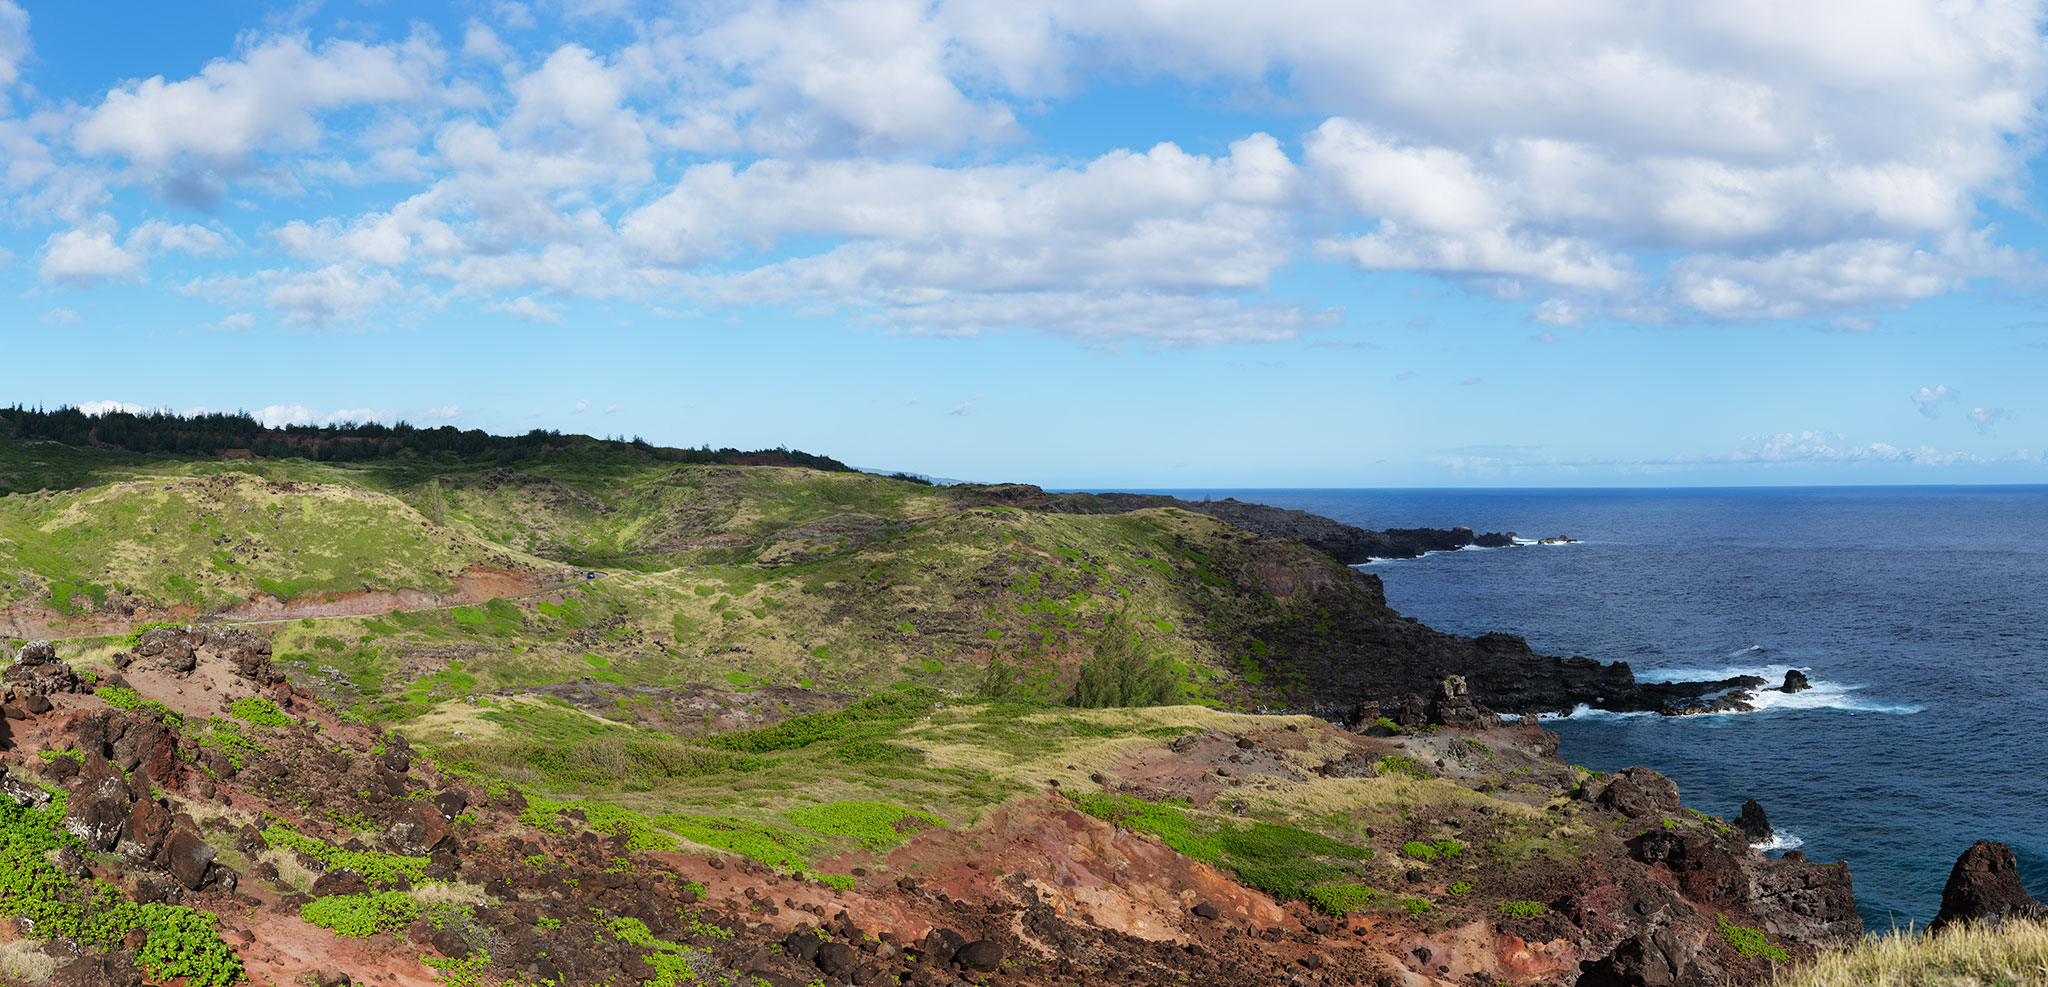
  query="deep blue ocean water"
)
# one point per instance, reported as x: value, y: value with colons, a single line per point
x: 1920, y: 614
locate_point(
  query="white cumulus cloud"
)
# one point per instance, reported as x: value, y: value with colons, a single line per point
x: 1930, y: 399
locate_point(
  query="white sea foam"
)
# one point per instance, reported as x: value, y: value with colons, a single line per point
x: 1780, y: 840
x: 1824, y: 694
x: 1585, y: 712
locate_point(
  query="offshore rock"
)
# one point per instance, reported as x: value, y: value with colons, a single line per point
x: 1753, y: 823
x: 1984, y: 886
x: 1795, y: 681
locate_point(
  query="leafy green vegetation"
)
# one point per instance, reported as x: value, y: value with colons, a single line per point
x: 874, y: 825
x: 362, y: 914
x: 1341, y: 899
x: 259, y: 711
x: 1432, y: 851
x: 122, y: 698
x: 1749, y: 942
x: 1120, y: 673
x: 1521, y: 909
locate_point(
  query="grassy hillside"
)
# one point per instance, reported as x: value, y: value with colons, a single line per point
x: 739, y: 576
x: 209, y: 542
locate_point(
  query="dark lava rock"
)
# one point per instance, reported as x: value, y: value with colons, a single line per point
x: 1205, y: 910
x: 149, y: 824
x: 115, y: 969
x: 1453, y: 707
x: 187, y: 858
x: 330, y: 978
x: 802, y: 945
x: 1753, y: 824
x: 836, y: 958
x: 166, y: 649
x: 1984, y: 886
x: 452, y: 803
x: 97, y: 812
x: 1795, y: 681
x: 419, y: 831
x: 1638, y: 791
x: 981, y: 956
x: 340, y: 880
x: 1653, y: 958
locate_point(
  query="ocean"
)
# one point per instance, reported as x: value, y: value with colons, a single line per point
x: 1919, y: 613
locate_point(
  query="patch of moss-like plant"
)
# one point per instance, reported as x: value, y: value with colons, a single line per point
x: 259, y: 711
x: 1341, y: 899
x: 1432, y: 851
x: 361, y: 915
x: 1395, y: 764
x: 1749, y: 942
x: 1279, y: 860
x: 1521, y: 909
x: 124, y: 698
x: 841, y: 882
x: 874, y: 825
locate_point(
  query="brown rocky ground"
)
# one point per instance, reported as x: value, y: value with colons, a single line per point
x: 1617, y: 883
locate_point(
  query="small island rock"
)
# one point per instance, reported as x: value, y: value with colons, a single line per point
x: 1984, y: 886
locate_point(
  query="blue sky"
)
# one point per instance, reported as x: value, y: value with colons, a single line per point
x: 1204, y: 243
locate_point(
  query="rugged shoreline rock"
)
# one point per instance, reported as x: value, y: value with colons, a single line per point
x: 1984, y: 886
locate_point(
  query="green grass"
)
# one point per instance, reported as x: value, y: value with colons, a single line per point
x: 1279, y: 860
x: 875, y: 826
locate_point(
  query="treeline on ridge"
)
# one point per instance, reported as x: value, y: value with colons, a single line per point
x: 223, y: 433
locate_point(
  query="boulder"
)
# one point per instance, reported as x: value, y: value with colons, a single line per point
x: 149, y: 824
x: 1412, y: 713
x: 836, y: 958
x: 1637, y: 792
x: 187, y: 858
x: 802, y: 945
x: 1363, y: 716
x: 1795, y: 681
x: 419, y: 831
x: 1652, y: 958
x: 980, y: 956
x: 1752, y: 823
x: 451, y: 803
x: 22, y: 793
x: 36, y: 653
x: 1984, y: 886
x: 166, y: 650
x: 98, y: 809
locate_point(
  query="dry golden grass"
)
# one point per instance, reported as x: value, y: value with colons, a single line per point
x: 23, y: 962
x: 2014, y: 954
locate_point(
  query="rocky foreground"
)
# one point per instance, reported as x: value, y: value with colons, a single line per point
x: 192, y: 814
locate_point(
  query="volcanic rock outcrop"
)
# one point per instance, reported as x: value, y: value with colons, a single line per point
x: 1984, y: 886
